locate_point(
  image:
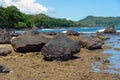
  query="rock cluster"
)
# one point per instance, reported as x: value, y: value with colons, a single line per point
x: 5, y: 37
x: 72, y: 33
x: 110, y: 30
x: 4, y: 69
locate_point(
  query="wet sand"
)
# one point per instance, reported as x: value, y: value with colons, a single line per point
x: 31, y: 66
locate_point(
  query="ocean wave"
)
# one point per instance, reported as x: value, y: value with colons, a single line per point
x: 46, y: 29
x: 101, y: 30
x: 63, y: 31
x: 78, y: 32
x: 86, y: 32
x: 118, y: 30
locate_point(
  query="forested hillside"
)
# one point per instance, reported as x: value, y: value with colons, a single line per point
x: 100, y: 21
x: 11, y: 17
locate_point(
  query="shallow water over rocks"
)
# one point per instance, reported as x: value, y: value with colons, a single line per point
x: 114, y: 51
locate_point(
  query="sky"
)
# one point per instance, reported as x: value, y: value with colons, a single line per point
x: 69, y: 9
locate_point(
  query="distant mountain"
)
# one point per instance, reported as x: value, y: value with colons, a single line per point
x: 100, y: 21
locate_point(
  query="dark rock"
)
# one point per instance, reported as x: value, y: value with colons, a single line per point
x: 99, y: 33
x: 102, y: 36
x: 5, y: 37
x: 32, y: 31
x: 4, y: 51
x: 13, y: 34
x: 31, y: 41
x: 60, y: 48
x: 4, y: 69
x: 72, y: 33
x: 105, y: 61
x: 90, y: 43
x: 51, y: 33
x: 110, y: 30
x: 97, y: 58
x: 81, y: 33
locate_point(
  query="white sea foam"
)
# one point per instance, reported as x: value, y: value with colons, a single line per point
x: 63, y: 31
x: 46, y: 29
x: 101, y: 30
x: 78, y: 32
x: 118, y: 30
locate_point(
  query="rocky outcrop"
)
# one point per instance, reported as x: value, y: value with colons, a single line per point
x: 60, y: 48
x: 72, y: 33
x: 51, y: 33
x: 4, y: 69
x: 13, y: 34
x: 102, y: 36
x: 5, y: 37
x: 90, y: 43
x: 104, y: 61
x: 4, y: 51
x: 110, y: 30
x: 31, y: 41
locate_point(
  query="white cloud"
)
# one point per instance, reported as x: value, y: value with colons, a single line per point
x: 69, y: 18
x: 27, y: 6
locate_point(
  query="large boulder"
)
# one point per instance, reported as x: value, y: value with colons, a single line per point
x: 72, y: 33
x: 5, y: 37
x: 90, y: 43
x: 110, y: 30
x: 4, y: 51
x: 4, y: 69
x: 30, y: 41
x: 60, y: 48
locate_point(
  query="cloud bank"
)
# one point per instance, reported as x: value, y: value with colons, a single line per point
x: 26, y: 6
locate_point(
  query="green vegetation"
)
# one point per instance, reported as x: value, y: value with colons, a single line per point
x: 11, y: 17
x: 100, y: 21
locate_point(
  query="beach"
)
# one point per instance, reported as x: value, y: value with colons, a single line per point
x: 32, y: 66
x: 59, y: 40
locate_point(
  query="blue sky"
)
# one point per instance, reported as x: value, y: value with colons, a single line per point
x: 69, y: 9
x: 78, y: 9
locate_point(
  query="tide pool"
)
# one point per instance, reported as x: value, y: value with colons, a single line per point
x: 114, y: 59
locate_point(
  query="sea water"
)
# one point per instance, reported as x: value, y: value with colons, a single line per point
x: 78, y: 29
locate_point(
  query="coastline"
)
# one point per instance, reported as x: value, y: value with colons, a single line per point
x: 31, y: 66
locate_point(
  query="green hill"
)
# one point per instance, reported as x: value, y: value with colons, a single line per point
x: 100, y: 21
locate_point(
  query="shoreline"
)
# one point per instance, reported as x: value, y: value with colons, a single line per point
x: 32, y: 66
